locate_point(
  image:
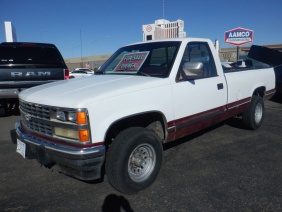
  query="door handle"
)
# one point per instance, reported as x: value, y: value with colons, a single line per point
x: 219, y: 86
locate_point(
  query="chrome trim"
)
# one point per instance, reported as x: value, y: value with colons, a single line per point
x: 54, y: 107
x: 235, y: 106
x: 9, y: 93
x: 55, y: 147
x: 55, y: 123
x: 27, y: 82
x: 172, y: 128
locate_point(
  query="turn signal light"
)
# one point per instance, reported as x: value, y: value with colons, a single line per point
x: 83, y: 135
x: 81, y: 118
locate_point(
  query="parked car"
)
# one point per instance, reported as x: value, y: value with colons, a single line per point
x: 80, y: 73
x: 84, y: 69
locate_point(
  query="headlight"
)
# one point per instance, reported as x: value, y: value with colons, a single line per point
x: 68, y: 133
x: 81, y: 135
x: 72, y: 116
x: 61, y: 115
x: 73, y: 124
x: 78, y: 117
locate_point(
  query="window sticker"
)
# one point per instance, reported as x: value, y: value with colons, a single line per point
x: 132, y: 61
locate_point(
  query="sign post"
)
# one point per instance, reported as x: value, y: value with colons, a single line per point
x: 238, y: 36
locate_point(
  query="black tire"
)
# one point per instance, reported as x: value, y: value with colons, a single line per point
x: 134, y: 160
x: 254, y: 115
x: 3, y: 108
x: 2, y: 111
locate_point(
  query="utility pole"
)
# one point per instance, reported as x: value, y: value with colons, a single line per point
x: 80, y: 45
x: 163, y: 9
x: 163, y: 25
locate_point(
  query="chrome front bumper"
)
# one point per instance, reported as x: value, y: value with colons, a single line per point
x: 81, y: 163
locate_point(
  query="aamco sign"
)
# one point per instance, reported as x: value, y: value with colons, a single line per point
x: 238, y: 36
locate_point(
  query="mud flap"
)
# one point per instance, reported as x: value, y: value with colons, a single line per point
x: 42, y: 157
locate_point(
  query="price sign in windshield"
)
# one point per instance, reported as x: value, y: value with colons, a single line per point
x: 132, y: 61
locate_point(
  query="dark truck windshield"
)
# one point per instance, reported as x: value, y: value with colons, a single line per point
x: 30, y: 54
x: 150, y: 59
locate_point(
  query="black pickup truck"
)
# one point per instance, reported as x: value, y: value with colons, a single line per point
x: 24, y: 65
x: 271, y: 57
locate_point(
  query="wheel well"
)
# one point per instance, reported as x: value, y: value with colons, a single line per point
x: 151, y: 120
x: 259, y: 91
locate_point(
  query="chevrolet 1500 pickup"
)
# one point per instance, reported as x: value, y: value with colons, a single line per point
x: 146, y: 94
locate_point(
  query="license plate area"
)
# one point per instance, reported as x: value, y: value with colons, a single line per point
x: 21, y: 148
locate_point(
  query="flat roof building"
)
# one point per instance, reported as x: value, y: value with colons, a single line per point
x: 163, y: 29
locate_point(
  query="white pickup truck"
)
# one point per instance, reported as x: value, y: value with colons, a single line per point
x: 145, y: 95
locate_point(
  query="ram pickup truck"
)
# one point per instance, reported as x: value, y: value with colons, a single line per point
x: 24, y: 65
x: 145, y: 95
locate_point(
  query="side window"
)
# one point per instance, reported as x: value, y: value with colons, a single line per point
x: 162, y: 56
x: 199, y: 59
x: 159, y: 61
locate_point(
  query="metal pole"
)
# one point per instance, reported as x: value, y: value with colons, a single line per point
x: 237, y: 53
x: 81, y: 49
x: 163, y: 9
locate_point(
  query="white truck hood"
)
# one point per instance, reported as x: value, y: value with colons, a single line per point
x: 77, y: 93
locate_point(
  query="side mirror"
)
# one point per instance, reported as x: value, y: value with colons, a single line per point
x: 193, y: 70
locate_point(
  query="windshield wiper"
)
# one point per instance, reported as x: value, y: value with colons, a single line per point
x: 100, y: 72
x: 143, y: 73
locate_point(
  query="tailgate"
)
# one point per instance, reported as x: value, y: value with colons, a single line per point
x: 28, y: 76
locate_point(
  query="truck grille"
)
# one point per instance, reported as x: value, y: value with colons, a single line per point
x: 32, y: 114
x: 38, y: 127
x: 35, y: 110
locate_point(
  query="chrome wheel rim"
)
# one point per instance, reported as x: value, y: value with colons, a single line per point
x: 258, y: 113
x: 141, y: 162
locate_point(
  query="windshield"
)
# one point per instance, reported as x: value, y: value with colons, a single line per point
x: 30, y: 55
x: 149, y: 59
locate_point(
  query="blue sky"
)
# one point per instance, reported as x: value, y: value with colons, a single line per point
x: 102, y: 26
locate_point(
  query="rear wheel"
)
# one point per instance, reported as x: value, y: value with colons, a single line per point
x: 134, y: 160
x: 254, y: 115
x: 2, y: 111
x: 3, y: 108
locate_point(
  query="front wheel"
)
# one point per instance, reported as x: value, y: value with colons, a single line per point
x: 134, y: 160
x: 254, y: 115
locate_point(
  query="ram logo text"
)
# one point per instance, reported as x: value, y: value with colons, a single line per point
x: 31, y: 74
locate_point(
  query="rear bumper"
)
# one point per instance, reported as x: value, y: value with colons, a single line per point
x: 81, y: 163
x: 11, y: 89
x: 9, y: 93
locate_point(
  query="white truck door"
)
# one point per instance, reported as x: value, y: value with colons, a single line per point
x: 200, y: 99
